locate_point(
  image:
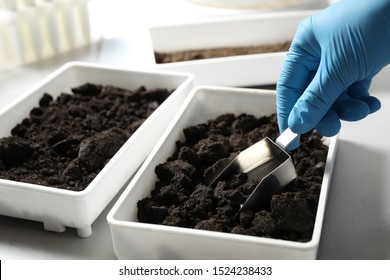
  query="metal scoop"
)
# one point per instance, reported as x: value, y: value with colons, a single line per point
x: 267, y: 160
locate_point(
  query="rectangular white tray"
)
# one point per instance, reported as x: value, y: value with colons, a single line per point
x: 234, y: 31
x: 58, y: 208
x: 135, y: 240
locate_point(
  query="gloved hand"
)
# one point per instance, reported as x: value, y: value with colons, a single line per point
x: 328, y: 70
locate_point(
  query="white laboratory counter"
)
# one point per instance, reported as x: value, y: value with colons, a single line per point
x: 357, y: 218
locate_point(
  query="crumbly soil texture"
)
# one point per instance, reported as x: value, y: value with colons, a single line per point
x: 182, y: 197
x: 167, y: 57
x: 64, y: 143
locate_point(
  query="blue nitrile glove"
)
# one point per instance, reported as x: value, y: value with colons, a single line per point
x: 329, y: 67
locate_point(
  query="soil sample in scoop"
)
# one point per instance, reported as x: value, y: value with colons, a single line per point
x: 182, y: 197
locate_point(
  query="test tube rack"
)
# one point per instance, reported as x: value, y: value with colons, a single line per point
x: 32, y: 30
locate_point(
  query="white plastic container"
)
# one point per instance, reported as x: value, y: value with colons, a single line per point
x: 235, y: 31
x: 10, y: 48
x: 135, y: 240
x: 58, y: 208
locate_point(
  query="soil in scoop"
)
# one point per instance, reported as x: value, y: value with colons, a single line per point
x: 167, y: 57
x: 183, y: 198
x: 64, y: 143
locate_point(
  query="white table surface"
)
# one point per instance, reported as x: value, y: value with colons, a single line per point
x: 357, y: 218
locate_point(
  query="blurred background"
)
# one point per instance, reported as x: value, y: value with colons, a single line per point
x: 39, y: 36
x: 34, y: 30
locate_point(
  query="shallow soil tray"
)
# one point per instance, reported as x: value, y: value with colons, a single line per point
x: 61, y: 203
x: 265, y: 31
x: 141, y: 240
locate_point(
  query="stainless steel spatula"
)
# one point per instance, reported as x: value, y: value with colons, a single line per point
x: 266, y: 160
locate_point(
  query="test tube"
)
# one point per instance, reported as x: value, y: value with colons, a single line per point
x: 45, y: 18
x: 3, y: 41
x: 62, y: 28
x: 10, y: 38
x: 29, y: 29
x: 84, y: 15
x: 74, y: 24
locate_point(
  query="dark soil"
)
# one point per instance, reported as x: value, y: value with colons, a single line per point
x: 64, y: 143
x: 183, y: 198
x: 166, y: 57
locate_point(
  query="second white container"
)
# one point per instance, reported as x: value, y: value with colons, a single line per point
x: 235, y: 31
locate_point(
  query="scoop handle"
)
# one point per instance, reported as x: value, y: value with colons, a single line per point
x: 285, y: 139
